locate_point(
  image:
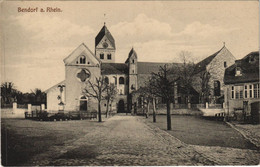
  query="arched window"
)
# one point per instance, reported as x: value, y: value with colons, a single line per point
x: 133, y: 61
x: 82, y: 60
x: 109, y: 56
x: 121, y: 80
x: 101, y: 55
x: 216, y: 88
x: 106, y: 80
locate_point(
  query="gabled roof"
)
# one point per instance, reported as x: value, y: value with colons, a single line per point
x: 79, y: 50
x: 149, y: 67
x: 132, y: 51
x: 114, y: 68
x: 249, y: 70
x: 55, y: 86
x: 104, y: 32
x: 201, y: 66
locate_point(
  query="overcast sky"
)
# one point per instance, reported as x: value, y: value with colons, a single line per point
x: 35, y: 44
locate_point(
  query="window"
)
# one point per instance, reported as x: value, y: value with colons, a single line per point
x: 102, y: 56
x: 133, y: 71
x: 133, y: 61
x: 216, y: 88
x: 105, y: 104
x: 238, y: 71
x: 82, y: 60
x: 132, y: 87
x: 245, y: 91
x: 109, y: 56
x: 250, y: 91
x: 121, y: 80
x: 239, y: 92
x: 225, y: 64
x: 106, y: 80
x: 232, y: 92
x: 256, y: 90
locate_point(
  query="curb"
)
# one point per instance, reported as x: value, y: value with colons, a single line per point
x: 245, y: 135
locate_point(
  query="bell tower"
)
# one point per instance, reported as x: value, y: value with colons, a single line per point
x: 132, y: 65
x: 105, y: 47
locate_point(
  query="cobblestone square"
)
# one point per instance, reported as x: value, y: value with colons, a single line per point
x: 124, y: 141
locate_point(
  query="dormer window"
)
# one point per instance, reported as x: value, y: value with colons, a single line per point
x: 238, y: 71
x: 82, y: 60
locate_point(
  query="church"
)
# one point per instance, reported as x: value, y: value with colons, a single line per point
x: 83, y: 66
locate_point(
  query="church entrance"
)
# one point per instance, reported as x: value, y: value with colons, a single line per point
x: 83, y: 106
x: 121, y: 106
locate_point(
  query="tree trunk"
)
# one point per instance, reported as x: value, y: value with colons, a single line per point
x: 99, y: 112
x: 107, y: 108
x: 169, y: 124
x: 154, y: 111
x: 148, y: 108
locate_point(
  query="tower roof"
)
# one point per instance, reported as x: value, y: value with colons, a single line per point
x: 132, y: 51
x: 104, y: 32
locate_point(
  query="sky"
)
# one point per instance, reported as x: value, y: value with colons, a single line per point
x: 34, y: 44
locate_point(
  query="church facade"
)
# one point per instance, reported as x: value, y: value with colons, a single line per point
x: 82, y: 66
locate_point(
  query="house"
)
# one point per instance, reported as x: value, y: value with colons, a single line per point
x: 209, y: 75
x: 242, y: 84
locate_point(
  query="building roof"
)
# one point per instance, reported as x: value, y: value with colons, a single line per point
x: 249, y: 66
x: 104, y: 32
x: 149, y: 67
x: 132, y: 51
x: 55, y: 86
x: 201, y: 66
x: 114, y: 68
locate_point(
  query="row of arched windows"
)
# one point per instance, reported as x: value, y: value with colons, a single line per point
x: 82, y: 60
x: 121, y: 80
x: 109, y: 56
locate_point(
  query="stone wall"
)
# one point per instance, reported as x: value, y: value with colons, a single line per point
x: 217, y: 70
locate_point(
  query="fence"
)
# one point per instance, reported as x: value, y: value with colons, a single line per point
x: 193, y: 106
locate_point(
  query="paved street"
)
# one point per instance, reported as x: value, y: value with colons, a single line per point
x: 125, y: 140
x: 122, y: 140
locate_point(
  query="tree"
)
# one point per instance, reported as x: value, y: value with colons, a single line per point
x: 186, y: 74
x: 111, y: 92
x: 7, y: 92
x: 205, y: 86
x: 37, y: 96
x: 162, y: 84
x: 96, y: 90
x: 148, y: 93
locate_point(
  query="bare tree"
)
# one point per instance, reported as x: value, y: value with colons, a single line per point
x: 205, y: 86
x: 111, y: 92
x: 162, y: 84
x: 186, y: 73
x: 96, y: 90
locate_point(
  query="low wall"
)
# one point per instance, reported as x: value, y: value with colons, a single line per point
x: 12, y: 113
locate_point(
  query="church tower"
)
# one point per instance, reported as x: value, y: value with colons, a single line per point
x: 105, y: 47
x: 132, y: 65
